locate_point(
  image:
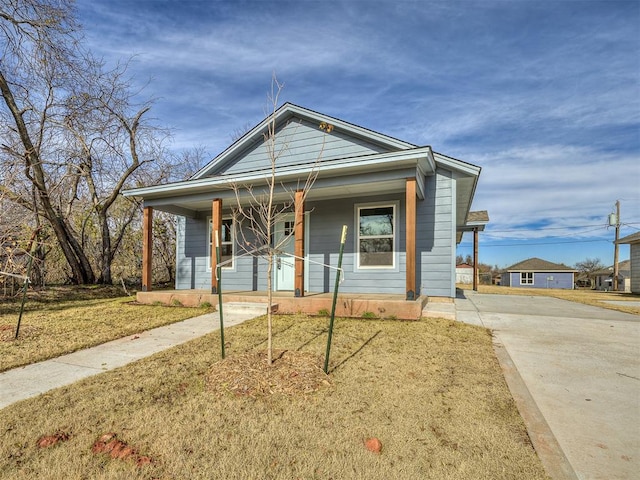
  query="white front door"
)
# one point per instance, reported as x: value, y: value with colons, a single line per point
x: 284, y: 265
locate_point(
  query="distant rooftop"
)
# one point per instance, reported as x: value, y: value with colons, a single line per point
x: 539, y: 265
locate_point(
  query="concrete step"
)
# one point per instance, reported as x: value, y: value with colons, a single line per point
x: 256, y: 308
x: 439, y: 310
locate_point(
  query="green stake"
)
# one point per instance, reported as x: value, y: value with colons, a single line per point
x: 219, y: 271
x: 335, y: 298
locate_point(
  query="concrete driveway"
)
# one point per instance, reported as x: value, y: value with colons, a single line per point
x: 575, y: 374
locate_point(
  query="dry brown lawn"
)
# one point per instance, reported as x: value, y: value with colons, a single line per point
x: 595, y: 298
x: 431, y: 391
x: 65, y: 319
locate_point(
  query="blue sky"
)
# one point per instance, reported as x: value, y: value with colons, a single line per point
x: 544, y: 96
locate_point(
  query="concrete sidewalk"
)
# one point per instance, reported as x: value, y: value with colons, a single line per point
x: 29, y: 381
x: 574, y: 372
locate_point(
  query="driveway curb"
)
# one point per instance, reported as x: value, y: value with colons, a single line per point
x: 544, y: 441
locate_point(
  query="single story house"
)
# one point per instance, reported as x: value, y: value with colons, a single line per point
x: 405, y: 208
x: 537, y: 273
x: 603, y: 279
x: 633, y: 241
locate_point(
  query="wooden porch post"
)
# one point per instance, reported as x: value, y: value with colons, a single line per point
x: 410, y: 217
x: 299, y: 244
x: 147, y: 248
x: 475, y: 259
x: 216, y: 228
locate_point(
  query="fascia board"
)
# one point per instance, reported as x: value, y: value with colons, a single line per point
x: 457, y: 165
x: 350, y: 128
x: 335, y: 167
x: 291, y: 110
x: 253, y: 135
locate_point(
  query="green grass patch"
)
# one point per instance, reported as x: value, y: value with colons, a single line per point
x: 431, y: 391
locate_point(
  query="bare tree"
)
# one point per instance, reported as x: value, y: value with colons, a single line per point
x: 72, y: 129
x: 588, y: 267
x: 258, y: 209
x: 108, y: 139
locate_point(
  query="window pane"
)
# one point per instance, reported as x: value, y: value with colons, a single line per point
x: 226, y: 252
x: 226, y: 230
x: 376, y: 221
x: 288, y: 228
x: 376, y: 252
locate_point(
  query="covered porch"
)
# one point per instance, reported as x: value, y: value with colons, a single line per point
x: 214, y: 203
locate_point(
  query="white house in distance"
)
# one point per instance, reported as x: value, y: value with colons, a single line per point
x: 464, y: 273
x: 603, y: 279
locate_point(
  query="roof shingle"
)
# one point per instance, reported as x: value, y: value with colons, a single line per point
x: 539, y: 265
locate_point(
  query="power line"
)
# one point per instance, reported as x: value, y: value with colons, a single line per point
x: 537, y: 229
x: 526, y: 243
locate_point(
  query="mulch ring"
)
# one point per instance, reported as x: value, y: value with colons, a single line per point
x: 292, y: 373
x: 8, y: 332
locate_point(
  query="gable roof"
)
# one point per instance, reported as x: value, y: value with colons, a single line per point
x: 464, y: 265
x: 539, y: 265
x: 290, y: 115
x: 624, y: 267
x: 360, y: 161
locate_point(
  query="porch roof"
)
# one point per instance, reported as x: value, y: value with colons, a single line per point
x: 347, y: 177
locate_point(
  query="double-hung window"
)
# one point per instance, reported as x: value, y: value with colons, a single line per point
x: 526, y: 278
x: 226, y: 243
x: 376, y: 236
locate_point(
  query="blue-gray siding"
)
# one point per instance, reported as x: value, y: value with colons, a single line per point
x: 564, y: 280
x: 298, y: 143
x: 435, y: 243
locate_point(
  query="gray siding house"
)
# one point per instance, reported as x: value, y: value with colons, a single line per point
x: 633, y: 241
x: 603, y: 279
x: 405, y: 208
x: 537, y: 273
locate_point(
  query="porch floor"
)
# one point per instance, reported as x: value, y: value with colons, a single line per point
x: 348, y: 304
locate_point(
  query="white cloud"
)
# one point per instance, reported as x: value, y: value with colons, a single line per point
x: 544, y: 96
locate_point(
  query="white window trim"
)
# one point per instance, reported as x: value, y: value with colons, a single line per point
x: 532, y: 278
x: 396, y: 209
x: 233, y: 243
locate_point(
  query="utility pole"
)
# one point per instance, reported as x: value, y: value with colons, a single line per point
x: 615, y: 248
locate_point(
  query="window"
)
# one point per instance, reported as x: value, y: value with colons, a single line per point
x: 289, y: 226
x: 526, y: 278
x: 226, y: 244
x: 376, y: 236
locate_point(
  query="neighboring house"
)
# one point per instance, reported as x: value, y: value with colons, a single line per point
x: 537, y: 273
x: 404, y: 207
x: 603, y: 279
x: 464, y: 273
x: 633, y: 241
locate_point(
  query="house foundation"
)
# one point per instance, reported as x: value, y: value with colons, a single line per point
x: 347, y: 305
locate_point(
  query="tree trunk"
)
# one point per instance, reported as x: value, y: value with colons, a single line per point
x: 77, y: 260
x: 106, y: 253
